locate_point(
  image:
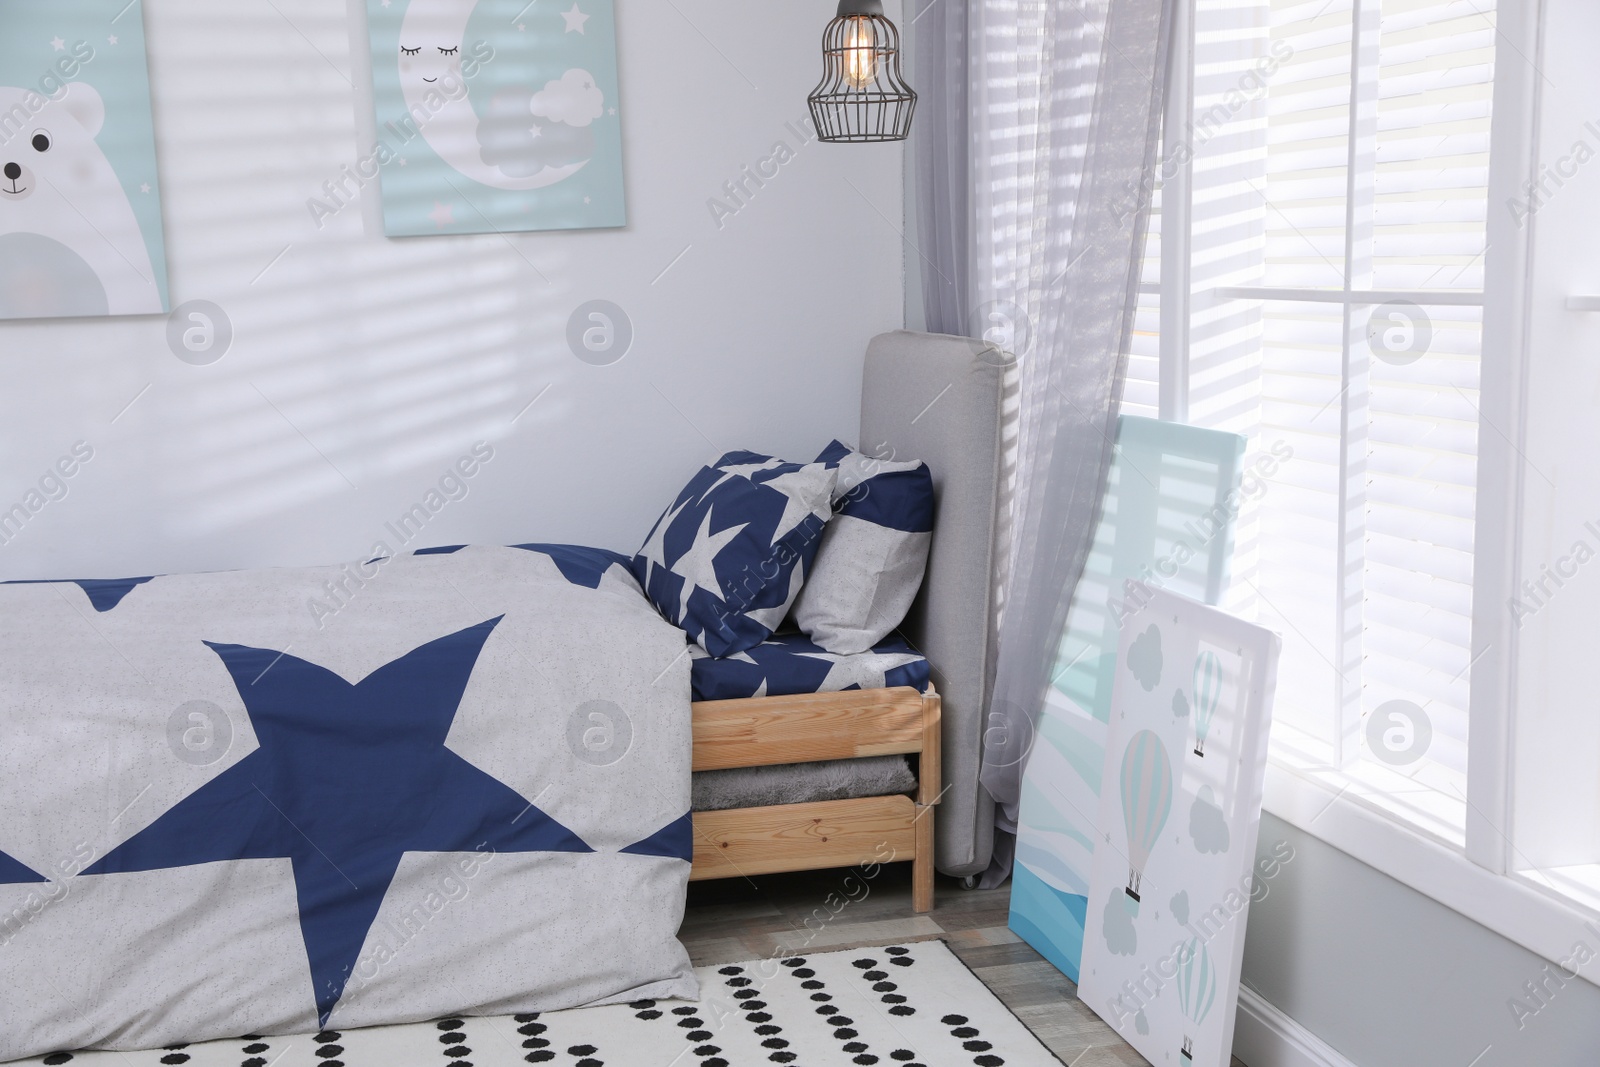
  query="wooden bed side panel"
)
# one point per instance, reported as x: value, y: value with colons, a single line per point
x: 930, y: 770
x: 930, y: 790
x: 803, y: 837
x: 763, y: 731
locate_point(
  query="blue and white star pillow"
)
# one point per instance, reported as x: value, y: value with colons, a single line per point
x: 873, y: 555
x: 726, y: 561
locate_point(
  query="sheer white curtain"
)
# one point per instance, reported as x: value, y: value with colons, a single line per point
x: 1065, y: 116
x: 941, y: 70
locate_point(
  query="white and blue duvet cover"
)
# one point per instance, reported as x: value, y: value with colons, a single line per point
x: 791, y: 663
x: 277, y: 801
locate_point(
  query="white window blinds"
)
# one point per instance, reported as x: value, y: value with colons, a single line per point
x: 1337, y: 169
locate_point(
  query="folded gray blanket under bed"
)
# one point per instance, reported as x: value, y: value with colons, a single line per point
x: 799, y: 783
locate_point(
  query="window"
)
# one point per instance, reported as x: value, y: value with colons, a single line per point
x: 1326, y: 301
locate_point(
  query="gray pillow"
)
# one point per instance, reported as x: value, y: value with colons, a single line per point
x: 873, y: 553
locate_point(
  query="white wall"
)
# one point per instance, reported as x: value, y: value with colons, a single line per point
x: 363, y: 367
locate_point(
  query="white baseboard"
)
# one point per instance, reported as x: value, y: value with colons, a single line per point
x: 1263, y: 1036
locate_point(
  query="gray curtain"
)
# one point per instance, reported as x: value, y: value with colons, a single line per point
x: 1065, y: 112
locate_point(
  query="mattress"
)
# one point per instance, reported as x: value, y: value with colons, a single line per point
x: 789, y: 664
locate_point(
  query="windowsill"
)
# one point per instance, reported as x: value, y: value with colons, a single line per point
x: 1580, y: 884
x: 1544, y: 912
x: 1428, y: 799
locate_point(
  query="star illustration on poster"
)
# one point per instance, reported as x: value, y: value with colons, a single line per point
x: 344, y: 806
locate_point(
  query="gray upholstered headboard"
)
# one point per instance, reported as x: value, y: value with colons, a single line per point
x: 938, y: 399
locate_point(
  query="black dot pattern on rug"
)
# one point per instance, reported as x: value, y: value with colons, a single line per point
x: 253, y: 1051
x: 972, y: 1041
x: 688, y: 1019
x: 887, y: 991
x: 684, y: 1018
x: 454, y: 1042
x: 173, y: 1054
x: 585, y: 1056
x: 531, y: 1032
x: 755, y: 1013
x: 328, y: 1048
x: 859, y: 1051
x: 531, y: 1029
x: 58, y: 1057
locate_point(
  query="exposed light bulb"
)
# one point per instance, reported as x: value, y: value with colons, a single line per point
x: 861, y: 54
x: 862, y: 96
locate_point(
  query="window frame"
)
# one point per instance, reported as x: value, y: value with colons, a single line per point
x: 1481, y: 879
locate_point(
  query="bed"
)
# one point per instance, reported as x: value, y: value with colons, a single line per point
x: 275, y: 801
x: 940, y: 399
x: 349, y: 796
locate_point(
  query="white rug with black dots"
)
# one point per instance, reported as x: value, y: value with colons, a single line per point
x: 908, y: 1006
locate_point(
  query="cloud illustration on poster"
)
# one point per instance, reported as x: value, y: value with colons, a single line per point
x: 1206, y: 825
x: 1117, y: 927
x: 1180, y: 907
x: 572, y: 99
x: 520, y: 148
x: 1180, y: 704
x: 1144, y: 658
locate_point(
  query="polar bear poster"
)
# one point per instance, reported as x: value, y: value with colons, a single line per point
x: 495, y: 115
x: 80, y: 218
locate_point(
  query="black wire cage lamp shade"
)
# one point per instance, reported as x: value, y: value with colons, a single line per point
x: 862, y: 95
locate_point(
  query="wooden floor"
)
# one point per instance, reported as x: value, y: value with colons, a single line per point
x: 741, y: 919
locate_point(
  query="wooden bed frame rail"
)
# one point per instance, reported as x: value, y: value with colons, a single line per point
x: 768, y: 731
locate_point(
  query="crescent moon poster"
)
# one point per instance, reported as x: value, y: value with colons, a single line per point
x: 496, y: 115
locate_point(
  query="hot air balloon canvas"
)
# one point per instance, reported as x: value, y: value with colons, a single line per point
x: 1174, y: 861
x: 492, y: 116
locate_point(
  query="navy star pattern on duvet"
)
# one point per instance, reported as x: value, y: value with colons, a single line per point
x: 278, y: 800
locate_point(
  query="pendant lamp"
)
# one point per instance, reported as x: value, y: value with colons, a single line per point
x: 862, y: 95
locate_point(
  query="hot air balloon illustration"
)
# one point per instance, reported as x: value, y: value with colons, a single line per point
x: 1146, y: 802
x: 1207, y: 689
x: 1197, y: 989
